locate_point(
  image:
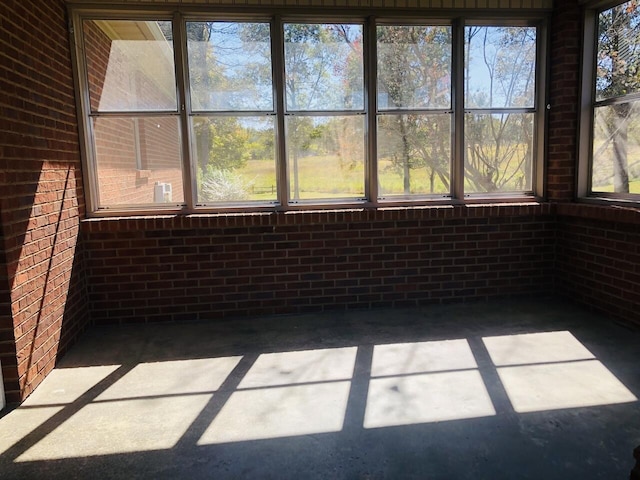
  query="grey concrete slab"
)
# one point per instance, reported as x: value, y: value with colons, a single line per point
x: 503, y: 390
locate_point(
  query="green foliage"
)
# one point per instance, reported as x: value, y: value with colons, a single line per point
x: 324, y: 72
x: 414, y: 65
x: 618, y: 62
x: 223, y: 143
x: 500, y: 70
x: 617, y: 74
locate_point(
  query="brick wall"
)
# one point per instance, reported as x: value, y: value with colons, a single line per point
x: 210, y: 266
x: 121, y: 181
x: 599, y: 258
x: 204, y: 267
x: 40, y: 192
x: 563, y: 97
x: 597, y: 251
x: 7, y: 339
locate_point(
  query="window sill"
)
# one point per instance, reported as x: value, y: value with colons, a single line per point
x: 602, y: 209
x: 309, y: 207
x: 163, y: 220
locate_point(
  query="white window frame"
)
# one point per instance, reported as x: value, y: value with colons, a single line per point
x: 370, y: 19
x: 588, y: 104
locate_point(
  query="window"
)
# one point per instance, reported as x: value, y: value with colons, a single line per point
x: 324, y: 105
x: 232, y: 111
x: 611, y: 142
x: 499, y: 108
x: 191, y: 112
x: 414, y: 110
x: 132, y: 116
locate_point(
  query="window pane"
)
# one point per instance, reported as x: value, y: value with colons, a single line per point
x: 414, y: 67
x: 616, y: 149
x: 618, y: 51
x: 235, y: 158
x: 323, y: 67
x: 130, y: 65
x: 414, y: 154
x: 498, y: 152
x: 326, y: 157
x: 230, y: 66
x: 138, y: 160
x: 500, y: 65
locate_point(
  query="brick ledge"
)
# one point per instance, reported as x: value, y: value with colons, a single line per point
x: 305, y: 217
x: 609, y: 213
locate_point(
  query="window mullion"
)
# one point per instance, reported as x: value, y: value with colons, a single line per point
x: 277, y: 55
x: 184, y: 107
x: 457, y: 74
x: 541, y: 99
x: 83, y: 100
x: 371, y: 86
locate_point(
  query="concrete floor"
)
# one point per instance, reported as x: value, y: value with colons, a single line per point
x: 507, y: 390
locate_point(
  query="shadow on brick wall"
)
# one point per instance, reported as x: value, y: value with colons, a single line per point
x: 45, y: 300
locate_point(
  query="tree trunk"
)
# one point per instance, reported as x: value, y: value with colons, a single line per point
x: 296, y: 187
x: 619, y: 139
x: 405, y: 158
x: 618, y: 125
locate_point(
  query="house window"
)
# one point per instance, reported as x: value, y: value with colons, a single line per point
x: 195, y: 113
x: 612, y: 84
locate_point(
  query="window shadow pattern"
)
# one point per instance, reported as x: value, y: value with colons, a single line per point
x: 258, y: 405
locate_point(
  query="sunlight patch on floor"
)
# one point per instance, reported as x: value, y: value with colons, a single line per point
x: 422, y: 357
x: 425, y: 382
x: 203, y: 375
x: 21, y: 422
x: 286, y: 394
x: 294, y: 393
x: 553, y: 370
x: 289, y: 368
x: 149, y: 408
x: 62, y: 386
x: 120, y: 427
x: 280, y: 412
x: 66, y: 385
x: 538, y: 388
x: 529, y: 348
x: 426, y: 398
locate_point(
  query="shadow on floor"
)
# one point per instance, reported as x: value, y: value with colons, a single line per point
x: 504, y: 390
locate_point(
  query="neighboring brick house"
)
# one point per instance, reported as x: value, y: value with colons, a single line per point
x: 132, y: 159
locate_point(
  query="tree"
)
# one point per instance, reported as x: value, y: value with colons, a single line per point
x: 499, y: 73
x: 319, y: 75
x: 218, y: 71
x: 414, y: 65
x: 618, y: 74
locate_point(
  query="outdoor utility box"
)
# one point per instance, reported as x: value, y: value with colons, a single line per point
x: 162, y: 192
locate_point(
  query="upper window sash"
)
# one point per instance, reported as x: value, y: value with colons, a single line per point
x: 617, y: 69
x: 230, y: 66
x: 323, y: 67
x: 608, y: 165
x: 137, y: 72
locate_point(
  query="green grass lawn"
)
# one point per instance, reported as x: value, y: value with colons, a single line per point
x: 326, y: 177
x: 634, y: 187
